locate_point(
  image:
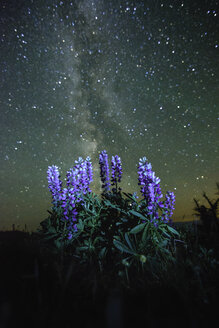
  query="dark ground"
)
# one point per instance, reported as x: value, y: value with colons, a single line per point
x: 39, y: 288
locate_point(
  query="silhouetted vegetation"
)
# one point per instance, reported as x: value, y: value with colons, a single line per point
x: 173, y: 282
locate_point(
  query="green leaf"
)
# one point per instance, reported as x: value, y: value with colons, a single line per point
x: 137, y: 214
x: 89, y: 211
x: 90, y: 224
x: 102, y: 253
x: 45, y: 223
x: 80, y: 225
x: 108, y: 203
x: 122, y: 247
x: 86, y: 242
x: 165, y: 233
x: 49, y: 236
x: 173, y: 230
x: 163, y: 243
x: 128, y: 241
x: 138, y: 228
x: 96, y: 240
x: 145, y: 231
x: 82, y: 248
x: 52, y: 230
x: 58, y: 243
x: 50, y: 212
x: 129, y: 196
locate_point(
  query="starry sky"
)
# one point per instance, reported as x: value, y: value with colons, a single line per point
x: 136, y: 78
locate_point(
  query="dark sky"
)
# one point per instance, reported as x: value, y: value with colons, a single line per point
x: 136, y: 78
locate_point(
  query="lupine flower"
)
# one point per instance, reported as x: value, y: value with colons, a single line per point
x: 54, y: 182
x: 116, y: 169
x: 150, y: 185
x: 80, y: 167
x: 104, y: 170
x: 78, y: 180
x: 85, y: 171
x: 80, y: 176
x: 89, y: 171
x: 68, y: 199
x: 168, y: 206
x: 73, y: 181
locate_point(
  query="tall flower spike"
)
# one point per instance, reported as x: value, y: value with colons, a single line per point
x: 68, y: 199
x: 116, y: 169
x: 104, y: 170
x: 150, y: 188
x: 168, y: 206
x: 89, y: 172
x: 54, y: 183
x: 78, y: 176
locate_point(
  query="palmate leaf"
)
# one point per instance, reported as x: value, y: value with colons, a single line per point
x: 93, y: 212
x: 122, y: 247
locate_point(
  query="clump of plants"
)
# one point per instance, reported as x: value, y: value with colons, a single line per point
x: 112, y: 231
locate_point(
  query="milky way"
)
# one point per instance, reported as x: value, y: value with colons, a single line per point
x: 136, y: 78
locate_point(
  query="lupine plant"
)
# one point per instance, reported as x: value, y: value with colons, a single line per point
x: 63, y: 218
x: 106, y: 230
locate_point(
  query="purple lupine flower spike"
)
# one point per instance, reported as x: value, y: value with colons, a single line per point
x: 54, y: 182
x: 104, y: 170
x: 168, y: 206
x: 89, y: 172
x: 78, y: 180
x: 116, y: 169
x: 85, y: 171
x: 150, y: 188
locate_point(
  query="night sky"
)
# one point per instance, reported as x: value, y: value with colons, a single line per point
x: 136, y: 78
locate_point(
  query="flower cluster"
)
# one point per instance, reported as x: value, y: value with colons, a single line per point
x: 168, y: 206
x: 54, y: 183
x: 104, y: 170
x: 77, y: 182
x: 69, y: 200
x: 150, y: 187
x: 116, y: 169
x: 152, y: 193
x: 80, y: 176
